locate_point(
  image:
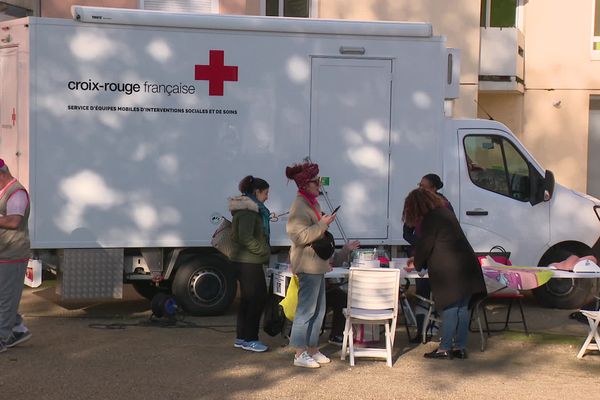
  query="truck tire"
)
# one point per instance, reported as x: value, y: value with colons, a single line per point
x: 204, y: 286
x: 563, y: 293
x: 145, y: 289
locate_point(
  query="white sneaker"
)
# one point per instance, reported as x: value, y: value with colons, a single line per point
x: 321, y: 358
x: 306, y: 361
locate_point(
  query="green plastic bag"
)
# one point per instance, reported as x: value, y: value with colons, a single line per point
x: 290, y: 301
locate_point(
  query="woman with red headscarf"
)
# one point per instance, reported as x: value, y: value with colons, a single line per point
x: 305, y: 225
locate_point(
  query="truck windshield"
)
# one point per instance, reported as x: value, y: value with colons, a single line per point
x: 495, y: 164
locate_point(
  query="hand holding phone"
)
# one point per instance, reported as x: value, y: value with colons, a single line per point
x: 335, y: 209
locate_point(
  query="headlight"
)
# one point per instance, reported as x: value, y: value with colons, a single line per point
x: 597, y: 211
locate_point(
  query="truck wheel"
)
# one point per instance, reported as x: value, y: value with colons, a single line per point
x: 563, y: 293
x: 145, y: 289
x: 204, y: 286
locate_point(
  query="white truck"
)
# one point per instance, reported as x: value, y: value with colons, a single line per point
x: 131, y: 128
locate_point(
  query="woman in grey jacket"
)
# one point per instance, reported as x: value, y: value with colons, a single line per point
x: 305, y: 225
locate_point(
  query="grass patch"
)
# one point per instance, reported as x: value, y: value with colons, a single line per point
x: 543, y: 338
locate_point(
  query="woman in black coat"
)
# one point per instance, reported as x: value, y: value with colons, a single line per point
x: 432, y: 183
x: 454, y: 271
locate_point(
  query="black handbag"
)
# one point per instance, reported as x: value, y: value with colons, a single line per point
x: 498, y: 253
x: 324, y: 247
x: 273, y: 317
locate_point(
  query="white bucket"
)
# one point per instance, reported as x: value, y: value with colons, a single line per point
x: 33, y: 274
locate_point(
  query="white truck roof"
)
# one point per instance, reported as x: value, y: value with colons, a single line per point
x: 245, y: 22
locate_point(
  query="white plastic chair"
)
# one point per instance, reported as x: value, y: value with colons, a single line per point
x: 372, y: 300
x: 593, y: 318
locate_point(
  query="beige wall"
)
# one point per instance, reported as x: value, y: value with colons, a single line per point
x: 558, y: 45
x: 458, y: 20
x: 504, y: 107
x: 557, y: 134
x: 465, y: 106
x: 62, y: 8
x: 558, y: 67
x: 239, y: 7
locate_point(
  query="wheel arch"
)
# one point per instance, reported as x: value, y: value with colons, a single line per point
x: 179, y: 257
x: 568, y: 293
x: 566, y: 248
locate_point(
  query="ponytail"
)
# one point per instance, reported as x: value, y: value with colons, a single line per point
x: 250, y: 183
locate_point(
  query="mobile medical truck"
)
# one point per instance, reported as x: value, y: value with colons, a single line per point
x: 131, y: 129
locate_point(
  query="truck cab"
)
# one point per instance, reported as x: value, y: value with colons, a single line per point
x: 504, y: 197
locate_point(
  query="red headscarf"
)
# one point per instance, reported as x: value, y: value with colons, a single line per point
x: 302, y: 173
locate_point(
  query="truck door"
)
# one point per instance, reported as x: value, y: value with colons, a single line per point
x: 350, y: 140
x: 8, y: 108
x: 495, y: 194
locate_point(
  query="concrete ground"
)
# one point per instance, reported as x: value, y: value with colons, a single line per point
x: 73, y: 356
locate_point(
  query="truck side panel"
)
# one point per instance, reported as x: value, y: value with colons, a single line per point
x: 140, y: 134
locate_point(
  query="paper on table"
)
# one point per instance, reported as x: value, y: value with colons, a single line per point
x: 586, y: 266
x: 398, y: 263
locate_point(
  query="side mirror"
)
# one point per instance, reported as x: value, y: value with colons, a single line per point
x: 548, y: 185
x: 542, y: 187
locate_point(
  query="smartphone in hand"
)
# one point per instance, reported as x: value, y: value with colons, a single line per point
x: 336, y: 209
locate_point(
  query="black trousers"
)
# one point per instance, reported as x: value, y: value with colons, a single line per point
x: 336, y: 300
x: 423, y: 287
x: 252, y: 299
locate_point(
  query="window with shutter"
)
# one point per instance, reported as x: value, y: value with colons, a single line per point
x: 183, y: 6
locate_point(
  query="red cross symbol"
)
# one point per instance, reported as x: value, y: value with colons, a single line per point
x: 216, y: 72
x: 14, y: 117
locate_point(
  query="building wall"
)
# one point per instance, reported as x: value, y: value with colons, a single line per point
x: 559, y: 68
x: 62, y: 8
x: 458, y: 20
x: 465, y: 106
x: 557, y: 133
x: 239, y: 7
x: 504, y: 107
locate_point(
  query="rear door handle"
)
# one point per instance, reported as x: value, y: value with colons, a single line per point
x: 478, y: 211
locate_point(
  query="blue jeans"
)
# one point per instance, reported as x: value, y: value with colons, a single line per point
x: 455, y: 325
x: 311, y: 309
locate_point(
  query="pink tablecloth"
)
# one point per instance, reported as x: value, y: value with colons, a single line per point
x: 515, y: 277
